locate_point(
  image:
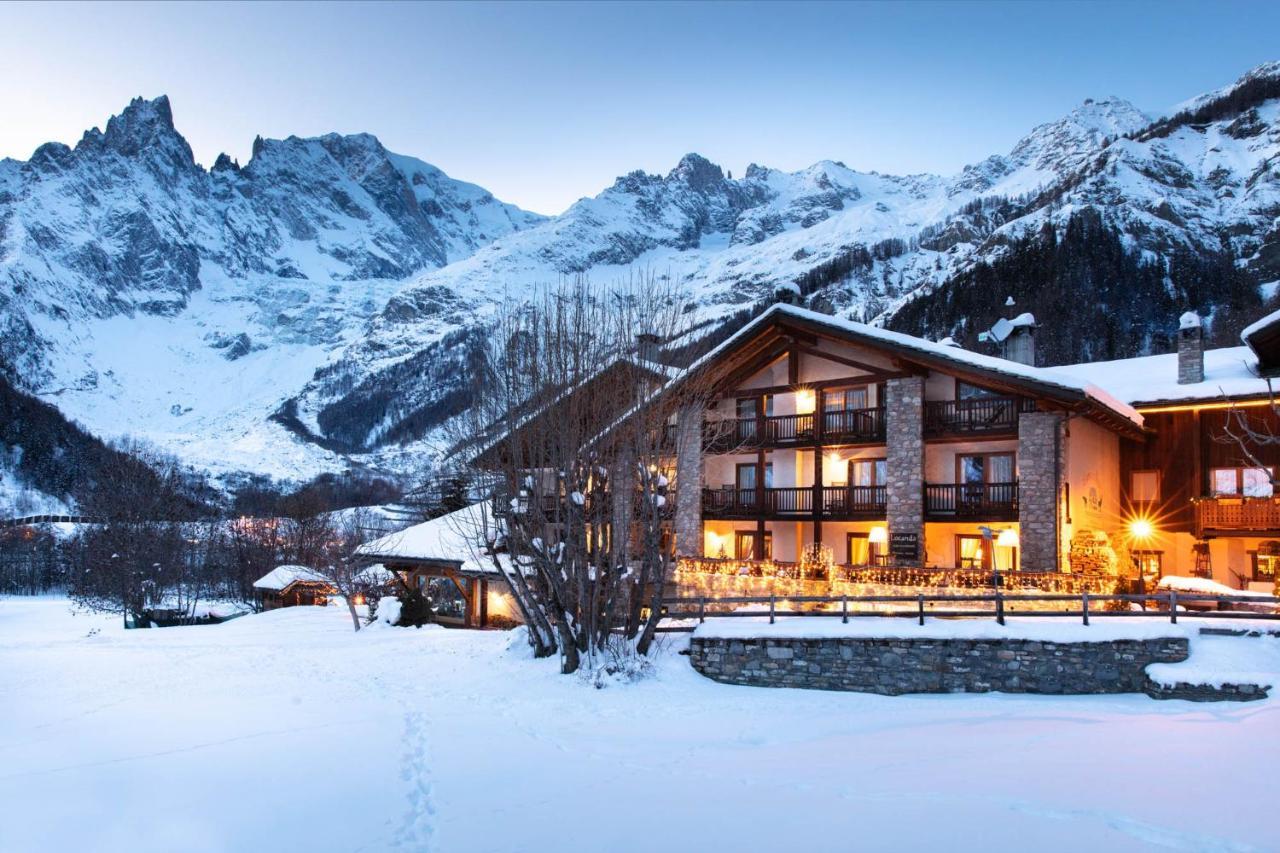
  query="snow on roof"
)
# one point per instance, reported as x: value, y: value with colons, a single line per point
x: 1259, y: 325
x: 281, y: 577
x: 1229, y: 373
x: 457, y: 537
x: 1004, y: 328
x: 1061, y: 378
x: 1189, y: 320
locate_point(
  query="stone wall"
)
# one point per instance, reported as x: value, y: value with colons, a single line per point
x: 688, y: 522
x: 904, y: 456
x: 896, y: 666
x: 1042, y: 469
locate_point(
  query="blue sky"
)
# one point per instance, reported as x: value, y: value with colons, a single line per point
x: 545, y: 103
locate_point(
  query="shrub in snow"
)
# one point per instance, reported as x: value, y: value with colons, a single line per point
x: 413, y: 606
x: 387, y: 610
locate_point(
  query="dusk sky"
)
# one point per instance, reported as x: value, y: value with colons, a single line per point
x: 543, y: 104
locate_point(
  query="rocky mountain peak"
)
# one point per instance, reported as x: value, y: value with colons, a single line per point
x: 697, y: 172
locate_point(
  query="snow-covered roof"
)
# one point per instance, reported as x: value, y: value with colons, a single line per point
x: 282, y: 577
x: 1229, y: 373
x: 457, y: 538
x: 1061, y: 379
x: 1004, y: 328
x: 1258, y: 325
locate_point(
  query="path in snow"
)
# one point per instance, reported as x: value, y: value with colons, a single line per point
x: 288, y: 731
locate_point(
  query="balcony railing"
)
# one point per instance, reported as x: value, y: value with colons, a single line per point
x: 853, y: 425
x: 975, y: 501
x: 846, y: 425
x: 838, y: 502
x: 1260, y: 515
x: 976, y: 416
x: 851, y: 502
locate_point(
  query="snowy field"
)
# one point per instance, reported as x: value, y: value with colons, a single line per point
x: 287, y: 731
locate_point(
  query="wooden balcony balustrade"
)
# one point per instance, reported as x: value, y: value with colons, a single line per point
x: 977, y: 416
x: 843, y: 426
x: 973, y: 501
x: 838, y: 502
x: 1237, y: 515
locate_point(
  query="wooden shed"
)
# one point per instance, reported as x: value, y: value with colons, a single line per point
x: 292, y: 586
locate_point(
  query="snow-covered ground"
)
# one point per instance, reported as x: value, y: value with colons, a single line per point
x: 287, y: 731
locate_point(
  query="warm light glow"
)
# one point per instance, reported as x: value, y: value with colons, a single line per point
x: 357, y: 600
x: 1141, y: 528
x: 1007, y: 538
x: 806, y: 401
x: 878, y: 536
x: 1200, y: 407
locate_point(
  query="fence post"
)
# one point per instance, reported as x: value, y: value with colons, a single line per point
x: 1173, y: 606
x: 844, y: 609
x: 1084, y: 605
x: 702, y: 609
x: 920, y: 605
x: 999, y: 607
x: 772, y: 603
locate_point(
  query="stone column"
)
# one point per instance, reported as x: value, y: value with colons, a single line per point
x: 1042, y: 469
x: 688, y: 526
x: 904, y: 457
x: 622, y: 491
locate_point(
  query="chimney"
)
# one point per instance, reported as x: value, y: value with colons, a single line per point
x: 647, y: 346
x: 1015, y: 336
x: 787, y: 294
x: 1190, y: 349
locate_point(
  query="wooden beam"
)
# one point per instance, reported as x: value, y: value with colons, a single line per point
x: 840, y: 359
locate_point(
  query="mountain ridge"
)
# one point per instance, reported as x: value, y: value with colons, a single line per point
x: 319, y: 305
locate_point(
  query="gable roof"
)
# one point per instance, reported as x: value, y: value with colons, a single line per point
x: 1263, y: 337
x: 451, y: 541
x: 282, y: 577
x: 1056, y: 384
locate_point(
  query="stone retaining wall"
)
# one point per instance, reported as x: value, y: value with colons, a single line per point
x: 897, y: 666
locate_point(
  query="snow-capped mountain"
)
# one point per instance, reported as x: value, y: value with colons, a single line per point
x: 322, y: 302
x: 146, y: 295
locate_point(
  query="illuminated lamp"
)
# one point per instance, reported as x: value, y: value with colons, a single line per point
x: 1008, y: 538
x: 806, y: 400
x: 878, y: 536
x: 1141, y: 528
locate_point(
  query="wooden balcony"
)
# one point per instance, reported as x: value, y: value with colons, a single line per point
x: 847, y: 426
x: 838, y: 503
x: 971, y: 501
x: 1232, y: 515
x: 978, y: 416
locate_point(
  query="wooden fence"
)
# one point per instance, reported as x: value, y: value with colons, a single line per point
x: 846, y: 607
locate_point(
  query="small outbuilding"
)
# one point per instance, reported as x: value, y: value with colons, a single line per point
x: 292, y: 586
x: 449, y: 559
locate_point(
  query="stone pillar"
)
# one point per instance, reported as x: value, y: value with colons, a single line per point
x: 622, y: 491
x: 904, y: 457
x: 1042, y: 470
x: 688, y: 527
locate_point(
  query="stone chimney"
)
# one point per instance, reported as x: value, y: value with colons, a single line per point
x: 787, y: 294
x: 1190, y: 349
x: 1015, y: 336
x: 647, y: 346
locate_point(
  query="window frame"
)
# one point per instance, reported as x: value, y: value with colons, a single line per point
x: 1133, y: 492
x: 1239, y: 476
x: 740, y: 536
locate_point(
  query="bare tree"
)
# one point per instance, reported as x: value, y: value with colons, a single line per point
x: 572, y: 422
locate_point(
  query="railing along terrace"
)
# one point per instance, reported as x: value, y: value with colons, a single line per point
x: 997, y: 604
x: 977, y: 415
x: 1260, y: 514
x: 985, y: 501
